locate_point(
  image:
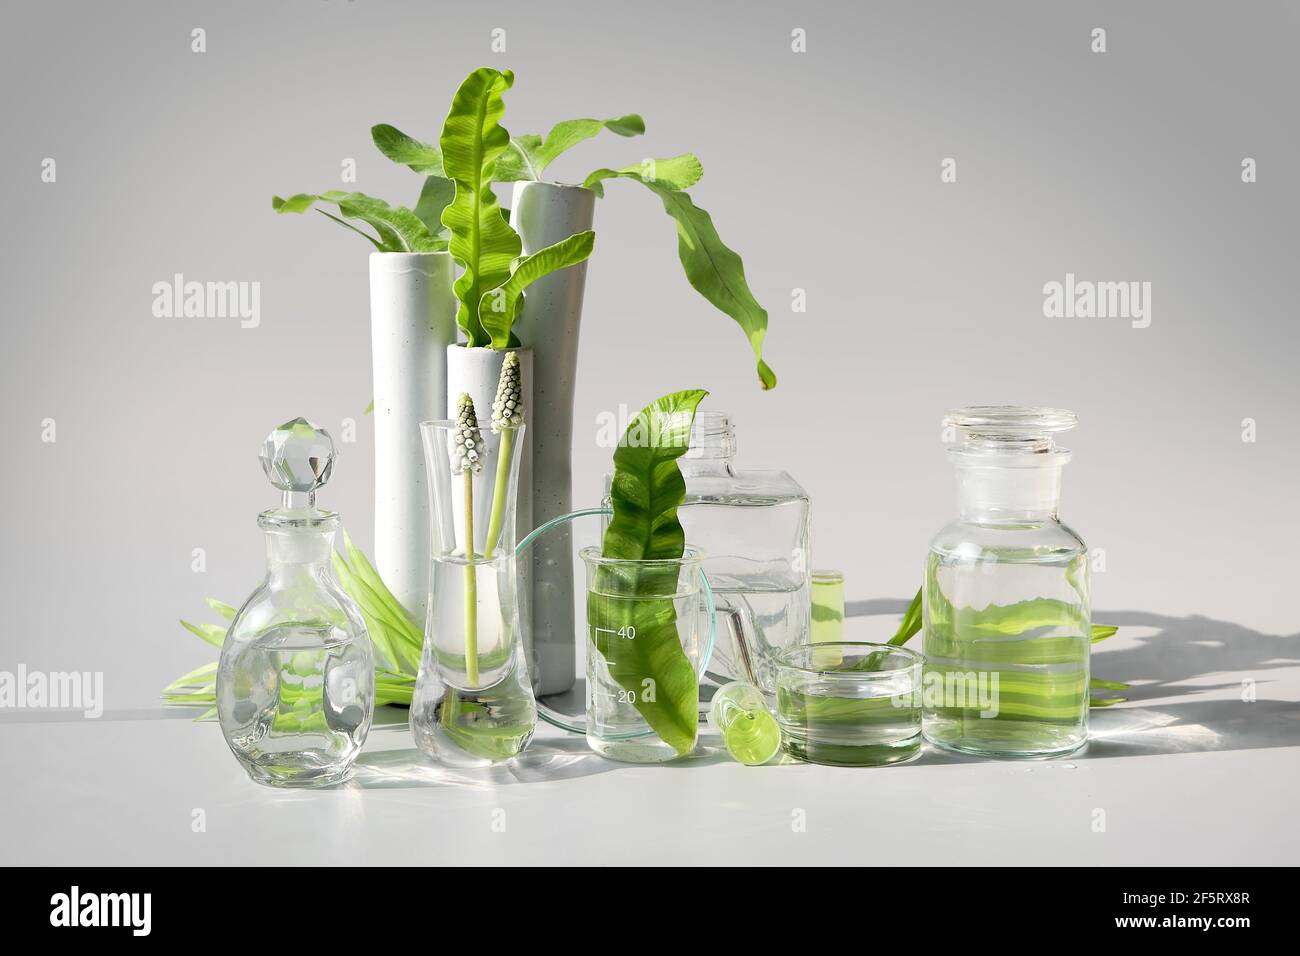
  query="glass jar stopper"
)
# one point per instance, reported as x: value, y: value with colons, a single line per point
x: 298, y: 458
x: 1013, y: 429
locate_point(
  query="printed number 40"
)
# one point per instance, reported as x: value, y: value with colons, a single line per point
x: 628, y: 632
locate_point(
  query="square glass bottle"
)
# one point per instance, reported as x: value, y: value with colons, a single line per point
x: 754, y: 531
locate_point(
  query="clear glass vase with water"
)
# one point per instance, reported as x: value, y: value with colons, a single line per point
x: 473, y: 702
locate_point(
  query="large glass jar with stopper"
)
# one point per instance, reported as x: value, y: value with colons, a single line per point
x: 1007, y: 614
x: 295, y: 686
x: 754, y: 531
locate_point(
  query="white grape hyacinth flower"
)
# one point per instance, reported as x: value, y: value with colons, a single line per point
x: 466, y: 439
x: 508, y: 408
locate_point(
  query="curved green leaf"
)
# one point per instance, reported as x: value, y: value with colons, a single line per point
x: 712, y: 268
x: 214, y: 634
x: 675, y: 173
x: 645, y: 493
x: 500, y: 306
x: 481, y: 239
x: 399, y: 229
x: 225, y: 610
x: 569, y: 133
x: 199, y: 676
x: 516, y: 163
x: 911, y: 622
x: 423, y: 158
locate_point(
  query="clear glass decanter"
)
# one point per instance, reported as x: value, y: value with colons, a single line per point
x: 1007, y: 614
x: 754, y: 531
x: 295, y: 685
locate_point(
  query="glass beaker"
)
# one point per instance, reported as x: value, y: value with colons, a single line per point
x: 473, y: 701
x: 1007, y: 614
x: 849, y: 704
x: 648, y: 628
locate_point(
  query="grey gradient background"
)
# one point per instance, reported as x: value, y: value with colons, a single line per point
x: 822, y: 169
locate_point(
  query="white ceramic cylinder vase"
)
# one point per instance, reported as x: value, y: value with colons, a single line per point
x: 412, y: 321
x: 544, y: 214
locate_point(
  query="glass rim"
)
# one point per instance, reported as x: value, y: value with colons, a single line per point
x: 1011, y: 421
x: 785, y: 660
x: 483, y: 423
x: 690, y: 556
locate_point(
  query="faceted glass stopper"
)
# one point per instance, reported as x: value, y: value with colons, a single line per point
x: 298, y: 456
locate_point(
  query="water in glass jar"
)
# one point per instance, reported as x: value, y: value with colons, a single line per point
x: 1007, y: 638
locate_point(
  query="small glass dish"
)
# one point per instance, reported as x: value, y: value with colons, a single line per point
x: 849, y: 704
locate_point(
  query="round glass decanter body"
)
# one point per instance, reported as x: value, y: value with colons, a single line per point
x: 1007, y: 613
x: 295, y: 685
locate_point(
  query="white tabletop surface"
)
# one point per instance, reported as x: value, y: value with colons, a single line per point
x: 1186, y: 773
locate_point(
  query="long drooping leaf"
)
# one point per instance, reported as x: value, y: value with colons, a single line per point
x: 631, y: 614
x: 500, y: 306
x: 674, y: 173
x: 423, y: 158
x: 481, y: 239
x: 540, y: 153
x: 712, y: 267
x: 398, y: 228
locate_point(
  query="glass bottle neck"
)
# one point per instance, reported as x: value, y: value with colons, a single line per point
x: 712, y: 449
x: 989, y: 494
x: 298, y: 555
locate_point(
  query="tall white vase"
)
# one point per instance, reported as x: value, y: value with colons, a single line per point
x: 412, y: 321
x: 544, y: 214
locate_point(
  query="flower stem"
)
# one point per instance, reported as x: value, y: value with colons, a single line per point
x: 471, y: 584
x: 504, y: 455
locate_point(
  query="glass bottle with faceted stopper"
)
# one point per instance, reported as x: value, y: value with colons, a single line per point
x: 754, y: 531
x: 295, y: 686
x: 1007, y: 614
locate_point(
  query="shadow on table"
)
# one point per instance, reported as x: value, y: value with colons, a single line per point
x: 1183, y: 658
